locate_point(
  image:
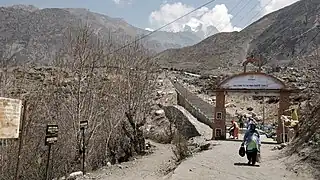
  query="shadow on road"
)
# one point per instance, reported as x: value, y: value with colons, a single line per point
x: 245, y: 164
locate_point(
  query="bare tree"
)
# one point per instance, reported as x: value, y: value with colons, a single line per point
x: 80, y: 85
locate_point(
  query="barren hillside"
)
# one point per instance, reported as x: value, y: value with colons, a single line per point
x: 35, y: 35
x: 281, y: 35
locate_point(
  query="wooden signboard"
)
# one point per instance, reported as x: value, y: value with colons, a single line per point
x: 10, y: 115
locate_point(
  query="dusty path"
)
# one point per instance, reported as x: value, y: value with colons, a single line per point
x: 149, y: 167
x: 217, y: 163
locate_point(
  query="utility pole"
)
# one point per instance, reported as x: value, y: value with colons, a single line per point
x: 263, y: 112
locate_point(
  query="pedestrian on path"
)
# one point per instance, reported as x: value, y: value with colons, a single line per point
x: 234, y: 130
x: 253, y: 143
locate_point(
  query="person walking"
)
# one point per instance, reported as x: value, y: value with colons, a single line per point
x: 253, y: 143
x: 234, y: 130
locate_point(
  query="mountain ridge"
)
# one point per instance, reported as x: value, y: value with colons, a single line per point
x: 157, y: 42
x: 268, y: 39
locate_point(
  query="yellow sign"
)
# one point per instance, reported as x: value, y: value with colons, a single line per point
x: 10, y: 112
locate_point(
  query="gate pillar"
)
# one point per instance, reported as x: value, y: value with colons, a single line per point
x: 219, y: 123
x: 284, y: 104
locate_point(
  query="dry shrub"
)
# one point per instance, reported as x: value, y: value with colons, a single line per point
x: 306, y: 144
x: 80, y: 85
x: 180, y: 147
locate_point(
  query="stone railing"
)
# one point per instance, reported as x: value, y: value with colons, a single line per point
x: 200, y: 109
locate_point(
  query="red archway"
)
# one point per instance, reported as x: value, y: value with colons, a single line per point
x: 256, y: 83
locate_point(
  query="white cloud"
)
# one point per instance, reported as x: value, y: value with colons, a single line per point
x: 274, y: 5
x: 198, y: 20
x: 149, y: 29
x: 122, y: 1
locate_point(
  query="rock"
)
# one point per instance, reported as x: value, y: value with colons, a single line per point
x: 204, y: 147
x: 160, y: 112
x: 148, y: 145
x: 62, y: 178
x: 310, y: 143
x: 258, y: 118
x: 283, y: 145
x: 273, y: 100
x: 249, y: 108
x: 253, y: 114
x: 292, y: 79
x: 160, y: 82
x: 160, y: 93
x: 230, y: 105
x: 150, y: 128
x: 109, y: 164
x: 171, y: 92
x: 75, y: 175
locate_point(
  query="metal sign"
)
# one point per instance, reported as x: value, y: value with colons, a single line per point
x: 52, y: 130
x: 83, y: 124
x: 51, y: 140
x: 51, y: 134
x: 10, y: 112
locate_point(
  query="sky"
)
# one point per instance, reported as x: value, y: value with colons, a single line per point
x: 225, y: 15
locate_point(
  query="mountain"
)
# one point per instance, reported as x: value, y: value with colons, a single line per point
x: 35, y: 35
x: 276, y: 38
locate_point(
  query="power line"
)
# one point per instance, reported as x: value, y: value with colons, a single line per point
x: 241, y: 10
x: 144, y: 36
x: 251, y: 10
x: 258, y: 11
x: 239, y: 2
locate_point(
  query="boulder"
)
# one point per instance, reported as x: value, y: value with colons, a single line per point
x: 258, y: 118
x: 230, y: 105
x: 160, y: 112
x: 160, y: 93
x: 249, y: 108
x: 75, y: 175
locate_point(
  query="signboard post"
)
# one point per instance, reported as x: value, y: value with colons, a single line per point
x: 21, y: 139
x: 51, y: 137
x: 83, y: 126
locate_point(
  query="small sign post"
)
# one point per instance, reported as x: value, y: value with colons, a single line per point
x: 83, y: 126
x: 51, y: 138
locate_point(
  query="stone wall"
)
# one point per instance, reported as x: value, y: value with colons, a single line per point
x: 200, y: 109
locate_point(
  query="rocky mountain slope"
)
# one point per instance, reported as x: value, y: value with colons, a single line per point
x: 36, y: 34
x: 276, y: 38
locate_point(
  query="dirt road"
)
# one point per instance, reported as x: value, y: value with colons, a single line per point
x: 149, y: 167
x: 221, y: 162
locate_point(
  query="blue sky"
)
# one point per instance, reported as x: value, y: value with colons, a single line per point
x: 139, y: 12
